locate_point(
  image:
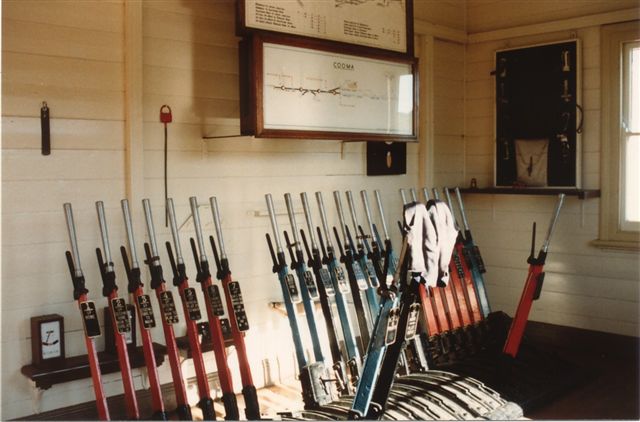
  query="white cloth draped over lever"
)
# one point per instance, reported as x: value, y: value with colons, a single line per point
x: 431, y: 235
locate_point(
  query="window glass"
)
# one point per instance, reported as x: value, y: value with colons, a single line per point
x: 631, y: 137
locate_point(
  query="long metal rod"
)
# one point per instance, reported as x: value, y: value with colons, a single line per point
x: 162, y: 295
x: 368, y: 270
x: 414, y: 197
x: 338, y: 201
x: 531, y: 291
x: 283, y: 272
x: 102, y: 221
x: 462, y: 212
x: 80, y: 293
x: 174, y: 231
x: 216, y: 221
x: 195, y: 214
x: 474, y: 259
x: 403, y: 196
x: 126, y: 214
x: 352, y: 211
x: 215, y: 328
x: 425, y: 192
x: 292, y: 221
x: 453, y: 213
x: 337, y: 278
x: 237, y: 319
x: 323, y: 218
x: 367, y: 211
x: 352, y: 266
x: 301, y: 270
x: 71, y: 229
x: 151, y: 231
x: 381, y: 212
x: 309, y: 218
x: 552, y: 223
x: 274, y: 222
x: 111, y: 292
x: 135, y: 287
x: 206, y: 402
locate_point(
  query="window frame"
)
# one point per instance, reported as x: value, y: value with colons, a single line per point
x: 626, y: 132
x: 611, y: 233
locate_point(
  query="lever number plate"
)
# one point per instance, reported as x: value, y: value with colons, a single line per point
x: 342, y: 281
x: 191, y: 302
x: 238, y: 306
x: 121, y: 315
x: 360, y: 278
x: 168, y: 306
x: 311, y: 284
x: 216, y: 301
x: 458, y: 264
x: 325, y: 279
x: 290, y: 282
x: 146, y: 312
x: 90, y: 319
x: 412, y: 321
x: 392, y: 325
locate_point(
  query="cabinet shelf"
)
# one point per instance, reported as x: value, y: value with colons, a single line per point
x: 77, y: 367
x: 580, y: 193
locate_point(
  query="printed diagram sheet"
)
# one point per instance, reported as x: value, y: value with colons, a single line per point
x: 307, y: 89
x: 374, y: 23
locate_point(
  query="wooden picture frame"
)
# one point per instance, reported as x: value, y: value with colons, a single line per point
x: 292, y: 88
x: 379, y: 25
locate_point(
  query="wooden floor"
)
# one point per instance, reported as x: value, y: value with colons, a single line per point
x: 612, y: 364
x: 611, y: 390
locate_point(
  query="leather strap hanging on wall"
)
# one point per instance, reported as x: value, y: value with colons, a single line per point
x: 44, y: 128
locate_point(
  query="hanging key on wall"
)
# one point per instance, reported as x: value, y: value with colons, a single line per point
x: 44, y: 128
x: 565, y: 61
x: 165, y: 118
x: 566, y: 95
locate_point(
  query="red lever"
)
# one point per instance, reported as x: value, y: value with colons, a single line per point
x: 165, y: 114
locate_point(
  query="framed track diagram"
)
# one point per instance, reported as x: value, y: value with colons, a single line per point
x: 382, y: 24
x: 298, y: 91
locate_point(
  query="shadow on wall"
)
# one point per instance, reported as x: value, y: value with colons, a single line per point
x: 215, y: 104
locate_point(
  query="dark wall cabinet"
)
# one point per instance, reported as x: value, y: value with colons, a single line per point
x: 538, y: 116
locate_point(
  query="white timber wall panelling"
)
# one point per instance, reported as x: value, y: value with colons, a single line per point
x: 448, y: 119
x: 201, y: 85
x: 585, y: 287
x: 72, y: 54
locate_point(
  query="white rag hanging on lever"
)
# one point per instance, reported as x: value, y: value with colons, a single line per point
x: 431, y: 235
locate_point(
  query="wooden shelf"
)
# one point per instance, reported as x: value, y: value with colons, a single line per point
x: 77, y: 367
x: 205, y: 342
x: 580, y: 193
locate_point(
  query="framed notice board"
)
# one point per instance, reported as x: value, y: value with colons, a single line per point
x: 378, y: 24
x: 538, y: 116
x: 293, y: 88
